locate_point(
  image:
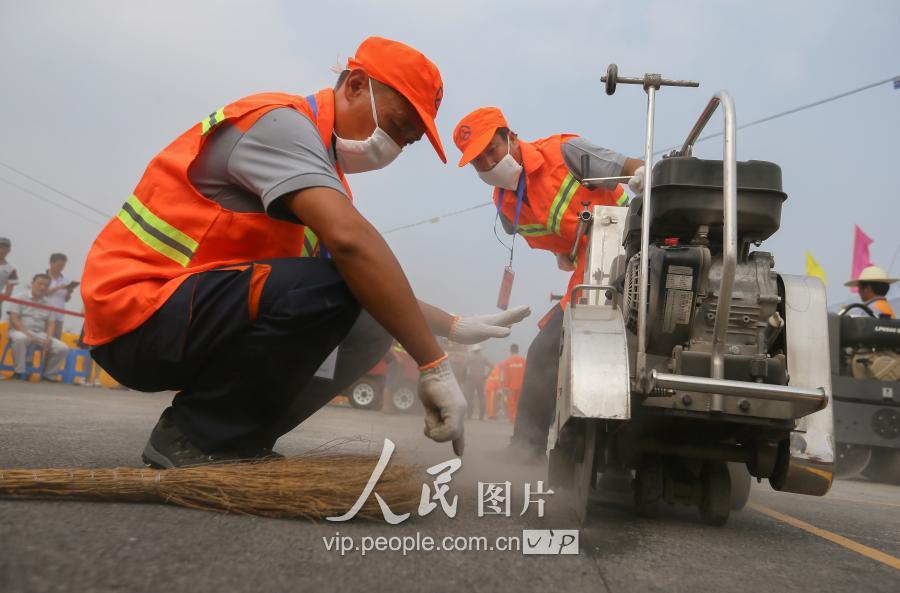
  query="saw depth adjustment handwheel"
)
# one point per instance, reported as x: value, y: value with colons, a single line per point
x: 612, y: 76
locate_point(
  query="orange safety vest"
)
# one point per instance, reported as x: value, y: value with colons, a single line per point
x: 512, y: 372
x: 166, y: 230
x: 493, y: 381
x: 554, y: 197
x: 882, y: 307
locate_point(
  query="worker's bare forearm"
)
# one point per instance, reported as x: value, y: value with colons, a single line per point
x: 630, y: 166
x: 375, y: 278
x: 369, y: 268
x: 438, y: 320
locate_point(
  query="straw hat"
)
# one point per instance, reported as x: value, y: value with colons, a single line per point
x: 872, y: 274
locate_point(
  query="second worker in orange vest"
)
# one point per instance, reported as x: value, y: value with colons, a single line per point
x: 512, y: 376
x: 207, y: 280
x: 539, y: 195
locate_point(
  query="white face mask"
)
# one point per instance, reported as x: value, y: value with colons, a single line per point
x: 504, y: 174
x: 375, y: 152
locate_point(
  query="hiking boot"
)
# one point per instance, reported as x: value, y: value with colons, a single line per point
x: 168, y: 448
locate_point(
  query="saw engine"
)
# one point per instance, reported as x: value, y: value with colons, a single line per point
x: 685, y: 271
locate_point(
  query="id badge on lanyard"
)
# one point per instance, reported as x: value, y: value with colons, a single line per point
x: 506, y: 283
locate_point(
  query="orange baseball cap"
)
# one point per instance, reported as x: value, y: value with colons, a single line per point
x: 474, y: 132
x: 408, y: 72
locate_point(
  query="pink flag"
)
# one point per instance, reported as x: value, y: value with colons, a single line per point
x: 861, y: 242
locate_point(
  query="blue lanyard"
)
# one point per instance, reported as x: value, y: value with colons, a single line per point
x: 520, y: 196
x: 311, y: 99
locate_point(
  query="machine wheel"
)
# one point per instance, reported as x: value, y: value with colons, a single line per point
x: 365, y: 394
x: 851, y: 459
x: 585, y: 475
x: 404, y: 399
x: 715, y: 503
x: 648, y: 490
x: 884, y: 466
x: 740, y: 485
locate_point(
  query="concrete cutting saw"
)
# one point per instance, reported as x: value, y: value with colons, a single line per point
x: 687, y: 362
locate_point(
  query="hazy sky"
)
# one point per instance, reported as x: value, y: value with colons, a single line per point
x: 91, y: 90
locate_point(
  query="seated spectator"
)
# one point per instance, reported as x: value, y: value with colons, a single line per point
x: 60, y: 291
x: 31, y: 325
x: 8, y: 276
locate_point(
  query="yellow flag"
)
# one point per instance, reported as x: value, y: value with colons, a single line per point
x: 813, y: 268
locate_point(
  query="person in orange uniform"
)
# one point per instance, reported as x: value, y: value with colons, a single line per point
x: 240, y: 274
x: 512, y: 374
x: 491, y: 387
x: 873, y: 285
x: 539, y: 192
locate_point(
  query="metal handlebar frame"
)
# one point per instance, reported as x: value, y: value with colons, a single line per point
x: 729, y: 225
x: 651, y: 83
x: 586, y: 287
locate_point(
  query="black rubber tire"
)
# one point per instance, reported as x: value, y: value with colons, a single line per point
x: 740, y: 485
x: 648, y: 485
x: 366, y: 394
x: 715, y: 504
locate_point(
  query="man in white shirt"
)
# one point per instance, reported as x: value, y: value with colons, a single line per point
x: 60, y: 291
x: 34, y: 326
x: 8, y: 276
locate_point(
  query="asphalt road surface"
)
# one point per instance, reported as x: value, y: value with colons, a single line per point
x: 846, y: 541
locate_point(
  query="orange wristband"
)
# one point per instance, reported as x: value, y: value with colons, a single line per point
x: 437, y: 362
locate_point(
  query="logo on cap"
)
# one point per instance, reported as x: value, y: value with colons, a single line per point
x: 463, y: 133
x: 438, y: 97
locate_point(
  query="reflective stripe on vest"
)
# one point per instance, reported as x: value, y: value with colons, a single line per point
x: 561, y: 202
x: 208, y: 123
x: 623, y: 199
x: 533, y: 230
x: 156, y: 233
x: 310, y: 242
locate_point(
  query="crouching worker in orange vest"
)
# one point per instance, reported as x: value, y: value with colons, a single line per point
x: 199, y: 284
x: 539, y: 195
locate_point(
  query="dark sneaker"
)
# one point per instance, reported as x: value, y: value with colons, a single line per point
x: 51, y: 378
x: 168, y: 448
x: 19, y: 377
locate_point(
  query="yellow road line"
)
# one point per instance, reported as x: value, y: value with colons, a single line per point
x: 840, y: 540
x: 862, y: 501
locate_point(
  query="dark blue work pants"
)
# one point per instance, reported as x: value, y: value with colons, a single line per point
x: 244, y: 382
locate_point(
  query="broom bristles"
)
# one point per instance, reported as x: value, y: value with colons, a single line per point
x: 313, y: 486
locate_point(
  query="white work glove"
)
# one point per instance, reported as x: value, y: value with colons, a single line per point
x: 636, y: 183
x: 478, y: 328
x: 445, y: 406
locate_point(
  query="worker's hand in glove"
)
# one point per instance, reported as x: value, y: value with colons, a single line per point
x: 478, y: 328
x: 636, y: 183
x: 445, y: 406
